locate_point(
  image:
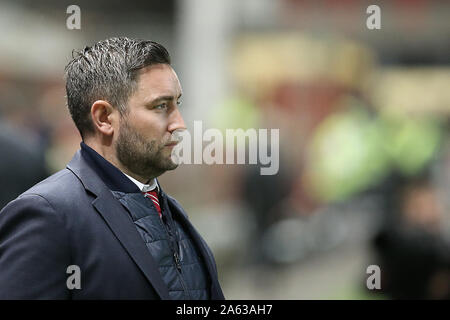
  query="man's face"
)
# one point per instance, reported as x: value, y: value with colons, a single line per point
x: 144, y: 143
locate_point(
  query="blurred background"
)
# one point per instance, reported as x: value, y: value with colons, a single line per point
x: 363, y: 116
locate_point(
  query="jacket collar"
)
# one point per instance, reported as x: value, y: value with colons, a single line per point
x: 114, y: 179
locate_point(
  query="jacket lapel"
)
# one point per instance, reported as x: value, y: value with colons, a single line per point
x: 119, y: 222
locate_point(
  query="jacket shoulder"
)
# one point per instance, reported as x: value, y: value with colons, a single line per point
x: 61, y: 188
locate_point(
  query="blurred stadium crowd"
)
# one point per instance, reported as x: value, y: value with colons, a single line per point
x: 363, y: 116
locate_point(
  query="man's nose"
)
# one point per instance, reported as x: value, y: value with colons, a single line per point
x: 176, y: 121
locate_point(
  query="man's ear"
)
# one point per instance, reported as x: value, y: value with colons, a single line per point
x: 104, y: 117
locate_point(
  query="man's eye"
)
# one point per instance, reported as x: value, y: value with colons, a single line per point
x: 161, y: 106
x: 179, y: 103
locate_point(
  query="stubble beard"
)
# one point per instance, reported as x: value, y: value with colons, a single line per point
x: 140, y: 156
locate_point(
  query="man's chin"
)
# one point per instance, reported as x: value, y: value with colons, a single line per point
x: 168, y: 165
x: 172, y: 165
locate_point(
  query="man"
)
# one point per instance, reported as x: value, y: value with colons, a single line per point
x: 103, y: 228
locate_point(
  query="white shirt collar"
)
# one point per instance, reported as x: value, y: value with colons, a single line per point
x: 144, y: 187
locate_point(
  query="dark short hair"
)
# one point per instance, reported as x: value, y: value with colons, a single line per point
x: 107, y: 71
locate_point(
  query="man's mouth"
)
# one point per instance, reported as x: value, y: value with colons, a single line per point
x: 172, y: 144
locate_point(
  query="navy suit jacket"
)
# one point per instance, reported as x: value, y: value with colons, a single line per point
x: 72, y: 218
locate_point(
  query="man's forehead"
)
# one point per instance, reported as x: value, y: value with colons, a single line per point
x: 158, y: 80
x: 156, y: 71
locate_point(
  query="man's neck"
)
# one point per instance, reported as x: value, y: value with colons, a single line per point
x: 108, y: 154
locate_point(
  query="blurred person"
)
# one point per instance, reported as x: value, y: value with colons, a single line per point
x: 267, y: 210
x: 22, y: 163
x: 414, y: 255
x: 106, y: 213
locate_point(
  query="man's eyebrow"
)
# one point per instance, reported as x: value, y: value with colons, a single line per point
x: 162, y: 98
